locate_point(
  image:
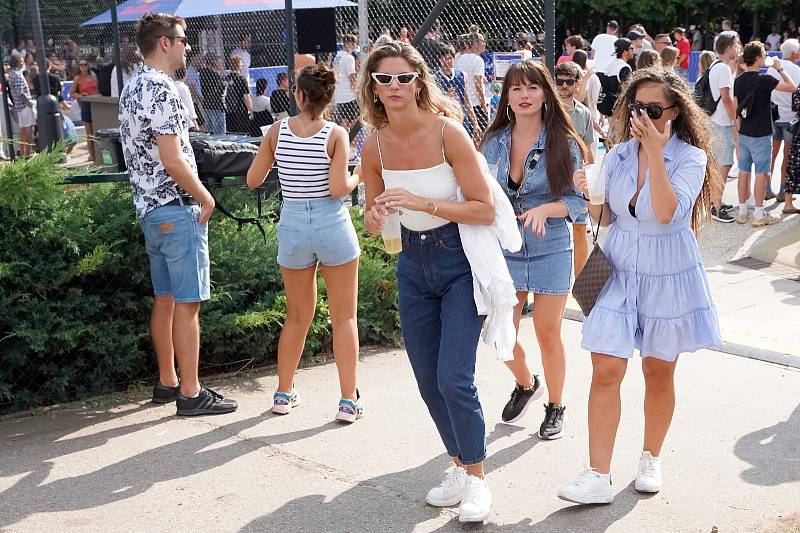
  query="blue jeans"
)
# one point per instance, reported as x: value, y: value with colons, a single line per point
x: 441, y: 330
x: 216, y: 121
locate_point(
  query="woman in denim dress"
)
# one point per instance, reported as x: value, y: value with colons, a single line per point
x: 535, y: 149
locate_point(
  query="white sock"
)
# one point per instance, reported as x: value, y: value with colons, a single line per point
x: 759, y: 212
x: 742, y: 209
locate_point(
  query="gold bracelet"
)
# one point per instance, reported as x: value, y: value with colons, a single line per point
x: 434, y: 204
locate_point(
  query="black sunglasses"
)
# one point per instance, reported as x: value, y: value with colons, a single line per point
x: 561, y: 81
x: 183, y: 40
x: 654, y: 111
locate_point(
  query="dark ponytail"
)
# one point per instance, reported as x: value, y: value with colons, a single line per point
x: 317, y: 83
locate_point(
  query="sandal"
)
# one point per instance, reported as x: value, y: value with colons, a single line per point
x: 790, y: 211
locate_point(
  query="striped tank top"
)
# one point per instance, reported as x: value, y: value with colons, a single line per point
x: 303, y: 163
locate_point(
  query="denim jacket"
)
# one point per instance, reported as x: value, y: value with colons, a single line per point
x: 535, y: 191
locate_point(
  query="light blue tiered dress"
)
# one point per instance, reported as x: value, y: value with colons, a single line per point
x: 657, y: 300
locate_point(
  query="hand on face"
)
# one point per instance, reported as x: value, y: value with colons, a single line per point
x: 644, y: 129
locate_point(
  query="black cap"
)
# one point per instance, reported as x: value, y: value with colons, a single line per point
x: 679, y: 30
x: 612, y: 23
x: 622, y: 44
x: 634, y: 35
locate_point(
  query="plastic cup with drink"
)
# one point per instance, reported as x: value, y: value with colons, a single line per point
x: 392, y: 239
x: 595, y: 182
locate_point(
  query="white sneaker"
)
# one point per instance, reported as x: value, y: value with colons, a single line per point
x: 283, y: 403
x: 450, y: 490
x: 648, y: 477
x: 477, y: 501
x: 590, y: 487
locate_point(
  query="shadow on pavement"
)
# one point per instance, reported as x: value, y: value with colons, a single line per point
x: 773, y: 452
x: 391, y: 502
x: 131, y: 476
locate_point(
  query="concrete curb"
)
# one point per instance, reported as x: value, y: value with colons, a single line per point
x: 731, y: 348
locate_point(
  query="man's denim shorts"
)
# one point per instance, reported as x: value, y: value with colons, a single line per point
x: 780, y: 132
x: 316, y: 230
x: 722, y: 144
x: 755, y: 150
x: 178, y: 248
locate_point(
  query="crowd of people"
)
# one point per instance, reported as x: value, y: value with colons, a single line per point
x: 493, y: 209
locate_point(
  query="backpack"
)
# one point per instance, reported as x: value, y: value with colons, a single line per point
x: 609, y: 91
x: 702, y: 92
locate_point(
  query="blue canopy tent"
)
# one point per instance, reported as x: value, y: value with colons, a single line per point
x: 132, y: 10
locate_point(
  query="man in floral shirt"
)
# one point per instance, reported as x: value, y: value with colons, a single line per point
x: 173, y: 208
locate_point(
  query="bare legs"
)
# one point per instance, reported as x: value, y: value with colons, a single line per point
x: 580, y: 252
x: 301, y: 298
x: 175, y: 329
x: 605, y: 406
x: 547, y: 317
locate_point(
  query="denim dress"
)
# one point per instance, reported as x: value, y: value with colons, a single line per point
x: 657, y: 300
x: 544, y: 263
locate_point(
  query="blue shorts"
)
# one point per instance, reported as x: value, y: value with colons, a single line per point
x: 86, y: 112
x: 780, y: 132
x: 723, y: 144
x: 178, y: 248
x: 316, y: 230
x: 755, y: 151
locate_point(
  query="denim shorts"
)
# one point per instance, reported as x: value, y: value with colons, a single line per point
x: 723, y: 144
x: 316, y: 230
x: 780, y: 132
x: 755, y: 151
x: 178, y: 248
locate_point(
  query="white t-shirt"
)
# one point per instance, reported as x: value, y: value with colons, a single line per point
x: 774, y: 40
x: 186, y: 98
x: 784, y: 99
x: 471, y: 65
x: 246, y: 60
x: 260, y: 103
x: 345, y: 65
x: 718, y: 78
x: 603, y: 46
x: 593, y: 94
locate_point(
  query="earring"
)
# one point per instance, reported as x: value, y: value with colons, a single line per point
x: 508, y: 113
x: 544, y: 107
x: 417, y: 95
x: 375, y: 98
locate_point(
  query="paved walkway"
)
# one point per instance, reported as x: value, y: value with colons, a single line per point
x: 731, y: 459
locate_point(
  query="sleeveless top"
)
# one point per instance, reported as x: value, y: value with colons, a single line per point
x: 437, y: 182
x: 303, y: 163
x: 87, y: 85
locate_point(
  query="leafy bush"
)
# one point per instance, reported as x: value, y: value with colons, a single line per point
x: 75, y: 291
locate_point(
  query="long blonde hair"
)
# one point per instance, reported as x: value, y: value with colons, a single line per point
x: 692, y: 126
x: 707, y: 58
x: 431, y: 98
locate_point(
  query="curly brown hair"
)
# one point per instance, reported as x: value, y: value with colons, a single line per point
x: 430, y: 98
x: 692, y: 126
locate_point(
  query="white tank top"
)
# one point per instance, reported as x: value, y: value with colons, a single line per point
x: 303, y: 163
x: 437, y: 182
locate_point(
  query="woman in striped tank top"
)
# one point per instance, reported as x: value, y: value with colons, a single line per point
x: 315, y: 227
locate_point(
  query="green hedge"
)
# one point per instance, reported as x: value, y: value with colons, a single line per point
x: 75, y: 291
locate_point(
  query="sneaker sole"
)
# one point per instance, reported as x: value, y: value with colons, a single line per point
x: 764, y: 224
x: 203, y: 412
x: 536, y: 395
x: 647, y: 490
x: 281, y: 409
x: 552, y: 437
x: 444, y: 503
x: 722, y: 220
x: 347, y: 418
x: 599, y: 501
x: 470, y: 519
x: 162, y: 401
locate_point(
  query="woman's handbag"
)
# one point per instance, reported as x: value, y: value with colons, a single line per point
x: 595, y: 274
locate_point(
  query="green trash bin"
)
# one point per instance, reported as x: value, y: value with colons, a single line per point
x: 108, y: 150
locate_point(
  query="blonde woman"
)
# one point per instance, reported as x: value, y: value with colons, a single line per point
x: 669, y: 57
x: 706, y: 59
x: 417, y: 158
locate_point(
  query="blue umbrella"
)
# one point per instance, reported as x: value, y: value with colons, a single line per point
x: 132, y: 10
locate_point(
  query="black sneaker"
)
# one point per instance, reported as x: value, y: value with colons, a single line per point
x: 725, y: 207
x: 517, y: 406
x: 553, y: 425
x: 162, y: 394
x: 721, y: 216
x: 207, y: 402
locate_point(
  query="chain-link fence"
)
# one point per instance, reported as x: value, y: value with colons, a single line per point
x: 74, y: 283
